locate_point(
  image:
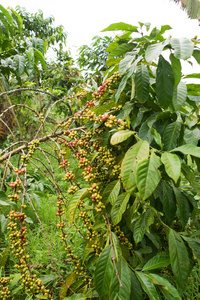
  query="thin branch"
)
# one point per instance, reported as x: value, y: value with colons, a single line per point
x: 13, y: 113
x: 27, y: 89
x: 19, y: 149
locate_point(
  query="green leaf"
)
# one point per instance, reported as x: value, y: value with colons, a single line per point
x: 153, y: 51
x: 6, y: 13
x: 176, y: 67
x: 179, y: 96
x: 165, y: 82
x: 73, y: 203
x: 136, y: 290
x: 196, y: 54
x: 165, y: 284
x: 128, y: 74
x: 194, y: 244
x: 40, y: 58
x: 64, y: 288
x: 168, y: 201
x: 4, y: 257
x: 103, y: 272
x: 183, y: 206
x: 124, y: 291
x: 171, y: 135
x: 192, y: 136
x: 119, y: 50
x: 179, y: 258
x: 172, y: 165
x: 147, y: 286
x: 188, y: 149
x: 121, y: 26
x: 142, y: 83
x: 4, y: 222
x: 148, y: 175
x: 133, y: 156
x: 183, y: 48
x: 4, y: 203
x: 157, y: 137
x: 125, y: 63
x: 19, y: 64
x: 119, y: 207
x: 158, y: 261
x: 121, y: 136
x: 139, y: 229
x: 111, y: 192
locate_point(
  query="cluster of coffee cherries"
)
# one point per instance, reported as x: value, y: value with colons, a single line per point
x: 18, y: 241
x: 107, y: 85
x: 122, y: 237
x: 4, y: 290
x: 31, y: 149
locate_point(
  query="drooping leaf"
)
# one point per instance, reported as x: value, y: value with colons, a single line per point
x: 40, y: 58
x: 133, y: 156
x: 125, y: 63
x: 165, y: 284
x: 183, y: 206
x: 168, y: 201
x: 188, y: 149
x: 171, y: 135
x: 139, y: 229
x: 172, y: 165
x: 194, y: 244
x: 179, y: 95
x: 123, y: 291
x: 183, y: 48
x: 142, y: 83
x: 103, y: 272
x: 148, y: 175
x: 158, y: 261
x: 176, y: 67
x: 121, y: 26
x: 192, y: 136
x: 136, y: 290
x: 157, y: 137
x: 190, y: 177
x: 64, y: 288
x: 128, y: 74
x: 196, y: 54
x: 119, y: 50
x: 119, y: 207
x: 111, y: 192
x: 153, y: 51
x: 121, y: 136
x: 19, y: 64
x: 73, y: 203
x: 147, y: 286
x: 179, y: 258
x: 165, y: 82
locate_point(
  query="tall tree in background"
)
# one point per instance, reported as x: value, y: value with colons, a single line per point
x: 191, y: 6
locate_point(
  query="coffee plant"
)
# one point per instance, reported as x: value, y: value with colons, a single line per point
x: 130, y: 159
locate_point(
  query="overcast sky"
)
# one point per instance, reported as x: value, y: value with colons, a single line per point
x: 83, y: 19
